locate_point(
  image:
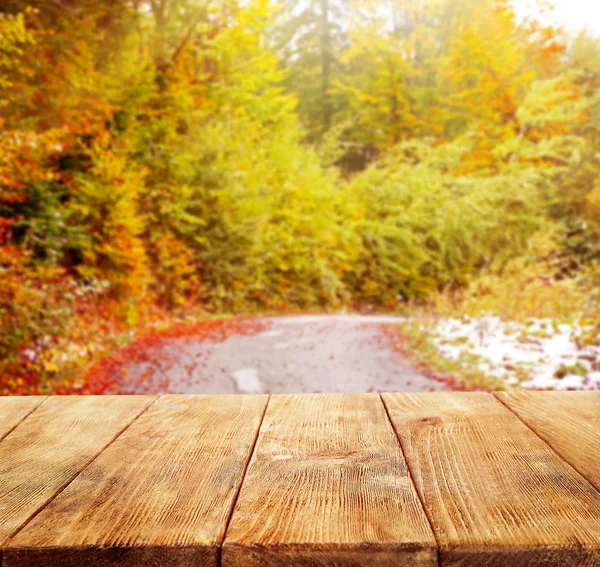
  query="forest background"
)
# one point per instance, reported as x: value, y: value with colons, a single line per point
x: 168, y: 159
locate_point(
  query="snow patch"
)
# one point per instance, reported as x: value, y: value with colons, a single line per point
x: 538, y: 354
x: 246, y: 381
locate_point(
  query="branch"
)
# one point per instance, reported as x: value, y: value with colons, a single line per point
x: 186, y: 38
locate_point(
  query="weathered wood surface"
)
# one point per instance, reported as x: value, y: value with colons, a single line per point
x: 568, y: 421
x: 496, y: 494
x: 327, y: 486
x: 14, y: 410
x: 51, y: 446
x: 182, y: 481
x: 160, y: 495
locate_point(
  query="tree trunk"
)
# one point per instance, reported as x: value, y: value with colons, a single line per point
x: 325, y: 44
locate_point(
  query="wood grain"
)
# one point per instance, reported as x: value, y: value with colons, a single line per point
x: 568, y: 421
x: 14, y: 409
x: 327, y: 486
x: 160, y: 495
x: 49, y: 448
x: 496, y: 494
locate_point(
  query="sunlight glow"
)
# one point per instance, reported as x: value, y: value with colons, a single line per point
x: 573, y: 15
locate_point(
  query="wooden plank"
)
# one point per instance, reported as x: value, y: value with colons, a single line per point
x: 568, y: 421
x: 47, y: 450
x: 495, y: 493
x: 160, y: 495
x: 14, y: 409
x: 327, y: 486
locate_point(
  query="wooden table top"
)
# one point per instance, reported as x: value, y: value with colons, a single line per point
x: 308, y: 480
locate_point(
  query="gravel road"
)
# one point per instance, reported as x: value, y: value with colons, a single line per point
x: 311, y: 353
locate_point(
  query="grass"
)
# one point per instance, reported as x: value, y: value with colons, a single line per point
x: 412, y: 339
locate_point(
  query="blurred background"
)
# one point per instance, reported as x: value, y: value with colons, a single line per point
x: 183, y: 181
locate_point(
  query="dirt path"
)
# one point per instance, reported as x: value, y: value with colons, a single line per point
x: 292, y: 354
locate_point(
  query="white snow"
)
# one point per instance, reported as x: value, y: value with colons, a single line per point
x: 537, y: 354
x: 246, y: 381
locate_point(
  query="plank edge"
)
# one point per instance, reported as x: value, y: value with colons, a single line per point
x: 24, y: 417
x: 503, y: 398
x: 379, y: 554
x: 539, y: 555
x: 236, y: 496
x: 382, y: 397
x: 207, y: 555
x: 6, y: 543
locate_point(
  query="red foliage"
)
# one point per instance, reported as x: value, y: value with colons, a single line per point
x: 110, y: 373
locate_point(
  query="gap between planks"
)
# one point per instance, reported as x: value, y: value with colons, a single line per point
x: 345, y: 444
x: 468, y: 419
x: 547, y: 443
x: 21, y: 420
x: 242, y: 480
x: 412, y: 479
x: 69, y: 481
x: 251, y: 455
x: 109, y: 444
x: 412, y: 474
